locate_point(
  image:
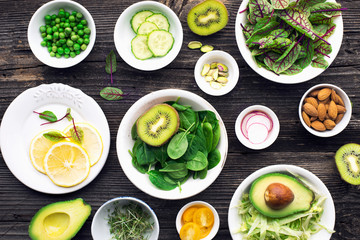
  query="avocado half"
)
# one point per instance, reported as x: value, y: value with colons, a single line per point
x: 302, y: 201
x: 59, y: 220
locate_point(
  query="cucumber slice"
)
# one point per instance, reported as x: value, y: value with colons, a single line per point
x: 140, y: 48
x: 146, y: 28
x: 160, y: 20
x: 139, y: 18
x: 160, y: 42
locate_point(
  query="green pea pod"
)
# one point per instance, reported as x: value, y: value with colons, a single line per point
x: 157, y: 178
x: 208, y: 132
x: 216, y: 136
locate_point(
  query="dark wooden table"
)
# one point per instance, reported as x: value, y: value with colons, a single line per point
x: 20, y: 70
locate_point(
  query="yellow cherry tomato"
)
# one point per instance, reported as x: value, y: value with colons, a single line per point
x: 204, y: 231
x: 188, y: 215
x: 190, y: 231
x: 204, y: 217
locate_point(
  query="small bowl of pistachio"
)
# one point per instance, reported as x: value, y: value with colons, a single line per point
x: 216, y: 73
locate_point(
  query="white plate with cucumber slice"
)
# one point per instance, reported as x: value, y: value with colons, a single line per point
x: 148, y: 35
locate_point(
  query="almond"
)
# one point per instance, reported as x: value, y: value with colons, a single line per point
x: 313, y: 119
x: 312, y: 101
x: 306, y: 118
x: 334, y: 96
x: 339, y: 117
x: 329, y: 124
x: 314, y: 93
x: 326, y: 101
x: 324, y: 94
x: 340, y: 101
x: 332, y: 110
x: 327, y: 116
x: 327, y: 106
x: 318, y: 126
x: 321, y: 111
x: 310, y: 110
x: 340, y: 109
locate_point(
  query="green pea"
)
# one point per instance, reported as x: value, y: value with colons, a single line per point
x: 87, y: 30
x: 61, y: 13
x: 43, y: 43
x: 72, y: 24
x: 53, y: 17
x: 64, y: 46
x: 67, y: 50
x: 49, y: 37
x: 52, y: 23
x: 76, y: 46
x: 80, y: 41
x: 86, y: 41
x: 83, y: 22
x: 86, y: 36
x: 72, y: 18
x: 67, y: 15
x: 72, y: 54
x: 83, y: 47
x: 66, y: 56
x: 66, y: 25
x: 49, y: 49
x: 57, y: 20
x: 54, y: 48
x: 61, y: 30
x: 68, y: 31
x: 49, y: 31
x: 42, y: 29
x: 49, y: 44
x: 67, y: 21
x: 73, y: 13
x: 79, y: 15
x: 47, y: 18
x: 60, y: 51
x: 56, y: 35
x: 71, y: 49
x: 77, y: 52
x: 62, y: 41
x: 81, y: 33
x: 74, y: 38
x: 73, y: 33
x: 62, y: 19
x: 62, y: 35
x: 58, y: 55
x: 62, y: 25
x: 55, y: 29
x: 52, y: 54
x: 61, y: 10
x: 80, y: 26
x: 69, y: 43
x: 43, y: 35
x: 75, y: 29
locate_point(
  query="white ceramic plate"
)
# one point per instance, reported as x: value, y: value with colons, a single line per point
x: 308, y: 73
x: 19, y: 125
x: 123, y: 34
x: 100, y: 229
x: 34, y: 36
x: 124, y: 142
x: 327, y: 219
x: 221, y: 57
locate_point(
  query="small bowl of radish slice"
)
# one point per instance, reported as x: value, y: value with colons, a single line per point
x: 257, y: 127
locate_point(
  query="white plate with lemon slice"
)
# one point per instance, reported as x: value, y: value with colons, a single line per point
x: 21, y: 139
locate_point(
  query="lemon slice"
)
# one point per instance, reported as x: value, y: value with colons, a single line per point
x: 92, y: 142
x: 39, y: 146
x: 67, y: 164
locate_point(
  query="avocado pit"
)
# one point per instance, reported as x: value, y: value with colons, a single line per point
x: 278, y: 196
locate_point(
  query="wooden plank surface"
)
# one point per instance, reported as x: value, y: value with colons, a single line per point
x: 20, y: 70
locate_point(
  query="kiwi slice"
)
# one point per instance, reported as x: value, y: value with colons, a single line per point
x: 207, y: 17
x: 158, y: 124
x: 347, y: 160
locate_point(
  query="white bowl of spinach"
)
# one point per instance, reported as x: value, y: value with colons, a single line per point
x: 152, y: 170
x: 289, y: 41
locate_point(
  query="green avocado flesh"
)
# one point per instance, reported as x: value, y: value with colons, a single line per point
x: 59, y: 220
x: 303, y: 196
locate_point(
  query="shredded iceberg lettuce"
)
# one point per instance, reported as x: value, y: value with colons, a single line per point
x: 300, y: 226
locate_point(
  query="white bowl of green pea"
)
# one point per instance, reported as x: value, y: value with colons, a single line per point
x: 61, y: 33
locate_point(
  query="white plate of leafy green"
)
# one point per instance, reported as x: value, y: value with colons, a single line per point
x: 144, y: 177
x: 323, y: 201
x: 289, y: 41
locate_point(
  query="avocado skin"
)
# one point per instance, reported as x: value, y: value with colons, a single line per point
x: 303, y: 197
x: 78, y: 211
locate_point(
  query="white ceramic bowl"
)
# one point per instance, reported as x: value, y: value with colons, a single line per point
x: 123, y: 34
x: 327, y: 219
x: 34, y: 36
x: 308, y: 73
x: 344, y: 121
x: 100, y: 228
x: 272, y: 135
x: 221, y: 57
x: 179, y: 223
x: 124, y: 142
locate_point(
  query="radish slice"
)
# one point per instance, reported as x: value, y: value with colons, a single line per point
x: 259, y: 118
x: 257, y: 133
x: 243, y: 124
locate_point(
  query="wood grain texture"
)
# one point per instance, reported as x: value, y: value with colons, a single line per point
x: 20, y: 70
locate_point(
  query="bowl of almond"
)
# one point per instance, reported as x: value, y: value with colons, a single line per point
x: 325, y: 110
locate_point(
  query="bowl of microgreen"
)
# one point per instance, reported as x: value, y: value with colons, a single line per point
x: 283, y: 43
x: 148, y: 35
x: 125, y: 218
x: 248, y: 216
x: 172, y: 144
x: 61, y: 33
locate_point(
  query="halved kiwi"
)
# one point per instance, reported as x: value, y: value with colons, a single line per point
x: 207, y: 17
x: 158, y: 124
x: 347, y: 160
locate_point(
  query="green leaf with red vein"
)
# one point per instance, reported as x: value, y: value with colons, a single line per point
x: 319, y: 62
x: 262, y: 32
x: 308, y: 45
x: 54, y: 136
x: 270, y: 59
x: 280, y: 44
x: 326, y: 35
x: 280, y: 4
x: 259, y: 9
x: 330, y: 8
x: 293, y: 70
x: 323, y: 49
x: 111, y: 93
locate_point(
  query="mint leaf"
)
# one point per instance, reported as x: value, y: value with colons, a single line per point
x: 54, y: 136
x: 111, y: 93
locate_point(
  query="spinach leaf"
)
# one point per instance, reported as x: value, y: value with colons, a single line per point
x: 208, y: 116
x: 134, y: 134
x: 144, y: 154
x: 135, y: 163
x: 214, y: 158
x: 196, y: 144
x: 175, y: 170
x: 160, y: 153
x: 177, y: 146
x: 208, y: 133
x: 202, y: 174
x: 187, y: 118
x: 157, y: 178
x: 198, y: 163
x: 179, y: 107
x: 216, y: 136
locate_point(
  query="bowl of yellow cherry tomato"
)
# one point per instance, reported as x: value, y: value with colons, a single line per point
x: 197, y: 220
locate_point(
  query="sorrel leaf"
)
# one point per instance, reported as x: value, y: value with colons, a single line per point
x: 330, y: 8
x: 68, y: 114
x: 77, y: 134
x: 310, y: 3
x: 321, y: 18
x: 308, y: 45
x: 319, y: 62
x: 110, y: 66
x: 293, y: 70
x: 259, y: 9
x: 326, y: 35
x: 271, y: 58
x: 280, y: 4
x: 54, y: 136
x: 323, y: 49
x: 111, y: 93
x: 280, y: 44
x: 47, y: 115
x: 262, y: 32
